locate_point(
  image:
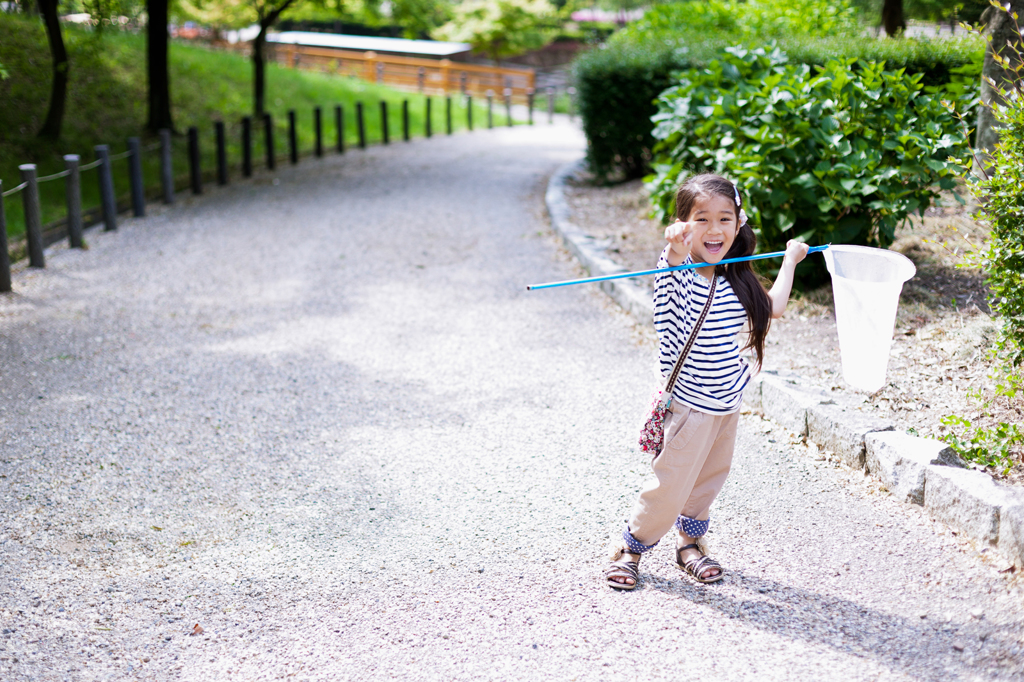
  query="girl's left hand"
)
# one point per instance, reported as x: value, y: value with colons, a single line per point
x: 795, y: 251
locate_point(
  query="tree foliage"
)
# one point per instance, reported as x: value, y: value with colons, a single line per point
x: 501, y: 28
x: 113, y: 13
x: 239, y: 13
x: 746, y: 20
x: 418, y: 18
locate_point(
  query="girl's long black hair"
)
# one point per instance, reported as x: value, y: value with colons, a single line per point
x: 740, y: 276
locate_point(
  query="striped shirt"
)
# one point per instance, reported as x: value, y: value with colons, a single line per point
x: 714, y: 374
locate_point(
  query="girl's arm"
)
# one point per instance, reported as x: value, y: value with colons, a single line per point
x: 779, y: 294
x: 679, y: 235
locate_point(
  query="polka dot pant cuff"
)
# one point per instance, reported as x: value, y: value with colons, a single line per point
x: 692, y: 527
x: 633, y: 545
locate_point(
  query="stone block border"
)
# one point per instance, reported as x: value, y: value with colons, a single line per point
x: 915, y: 470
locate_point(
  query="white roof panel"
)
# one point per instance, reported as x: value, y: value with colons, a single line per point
x: 340, y: 41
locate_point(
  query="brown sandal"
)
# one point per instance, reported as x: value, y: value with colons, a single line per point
x: 622, y: 568
x: 697, y: 567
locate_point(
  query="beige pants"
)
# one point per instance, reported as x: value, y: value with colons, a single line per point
x: 690, y: 471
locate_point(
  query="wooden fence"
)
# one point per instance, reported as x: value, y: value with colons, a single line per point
x: 430, y: 76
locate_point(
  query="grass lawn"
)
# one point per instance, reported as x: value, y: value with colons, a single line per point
x: 107, y: 98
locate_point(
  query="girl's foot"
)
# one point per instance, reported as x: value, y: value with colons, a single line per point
x: 692, y: 559
x: 624, y: 571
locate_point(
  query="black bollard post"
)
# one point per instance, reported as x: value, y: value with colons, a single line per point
x: 429, y: 122
x: 360, y: 125
x: 508, y: 107
x: 529, y: 105
x: 339, y: 127
x: 293, y: 139
x: 551, y: 104
x: 318, y: 133
x: 490, y: 109
x: 195, y: 173
x: 405, y: 120
x: 138, y: 189
x: 385, y: 135
x: 73, y: 197
x: 33, y: 221
x: 108, y: 200
x: 222, y: 153
x: 5, y: 258
x: 247, y: 146
x: 469, y: 112
x: 448, y: 114
x: 268, y: 140
x: 166, y: 166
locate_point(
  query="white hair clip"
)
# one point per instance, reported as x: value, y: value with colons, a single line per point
x: 736, y: 191
x: 743, y: 217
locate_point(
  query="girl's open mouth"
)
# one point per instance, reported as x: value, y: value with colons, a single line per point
x: 713, y: 247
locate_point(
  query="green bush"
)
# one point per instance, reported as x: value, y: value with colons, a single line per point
x: 1000, y: 193
x: 988, y: 447
x: 837, y: 154
x: 617, y: 84
x: 1001, y: 196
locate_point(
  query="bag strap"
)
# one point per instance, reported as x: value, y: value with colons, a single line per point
x: 671, y: 383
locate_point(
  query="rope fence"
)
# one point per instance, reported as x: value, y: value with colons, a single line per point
x: 37, y: 237
x: 55, y: 176
x: 15, y: 190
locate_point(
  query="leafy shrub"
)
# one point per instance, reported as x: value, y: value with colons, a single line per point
x: 1001, y: 197
x: 837, y: 154
x: 618, y: 83
x: 988, y: 447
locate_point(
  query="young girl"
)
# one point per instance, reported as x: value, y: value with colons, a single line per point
x: 700, y: 430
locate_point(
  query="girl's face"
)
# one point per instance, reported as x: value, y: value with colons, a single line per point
x: 714, y: 227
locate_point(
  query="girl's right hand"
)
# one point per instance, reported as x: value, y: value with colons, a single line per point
x: 679, y: 232
x: 680, y: 235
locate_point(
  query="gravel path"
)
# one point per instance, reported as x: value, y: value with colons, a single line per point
x: 321, y: 417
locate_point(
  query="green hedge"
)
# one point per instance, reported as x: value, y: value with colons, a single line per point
x: 838, y: 155
x: 617, y: 84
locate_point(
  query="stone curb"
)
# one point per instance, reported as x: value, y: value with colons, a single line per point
x: 915, y: 470
x: 589, y: 251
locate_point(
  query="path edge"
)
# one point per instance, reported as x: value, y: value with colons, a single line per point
x: 916, y: 470
x: 589, y: 252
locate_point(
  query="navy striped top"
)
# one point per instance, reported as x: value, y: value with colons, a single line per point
x: 714, y: 374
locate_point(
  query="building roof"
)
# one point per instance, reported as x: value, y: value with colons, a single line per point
x: 426, y: 48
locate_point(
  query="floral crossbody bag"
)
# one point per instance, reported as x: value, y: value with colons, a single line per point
x: 652, y: 435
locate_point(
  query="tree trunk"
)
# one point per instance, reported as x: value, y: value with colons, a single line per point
x: 892, y: 17
x: 258, y: 69
x: 157, y: 68
x: 1001, y: 28
x: 259, y: 57
x: 59, y: 58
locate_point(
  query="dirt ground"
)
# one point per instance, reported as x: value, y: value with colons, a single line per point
x: 939, y: 364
